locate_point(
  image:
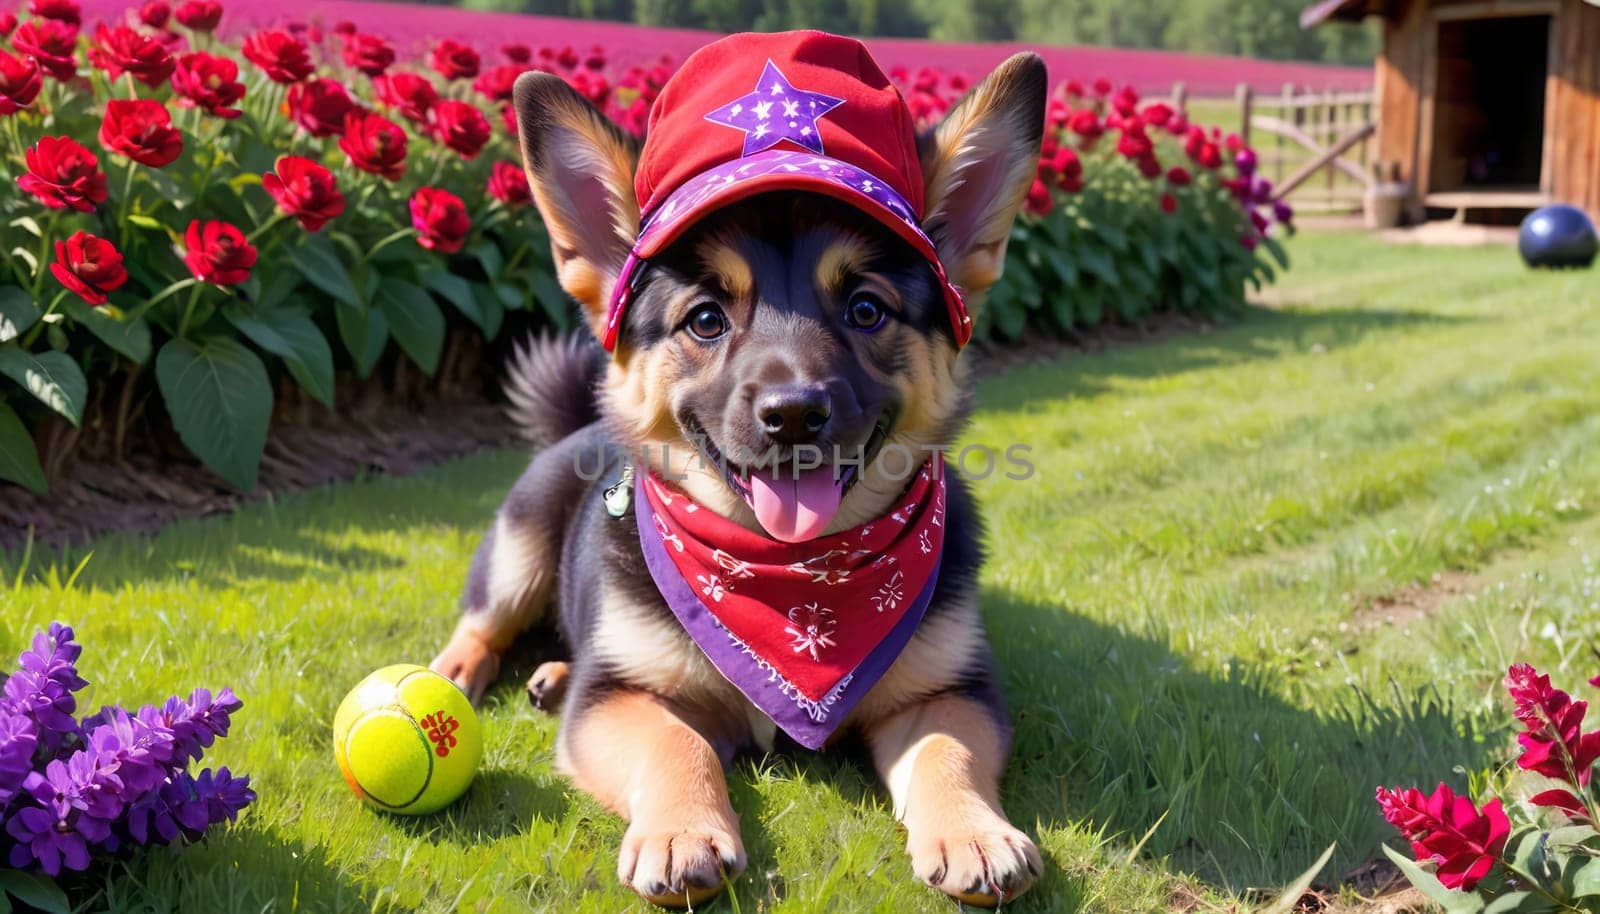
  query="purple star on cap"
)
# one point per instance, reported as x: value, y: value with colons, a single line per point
x: 776, y: 111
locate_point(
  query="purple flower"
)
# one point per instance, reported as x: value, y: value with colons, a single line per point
x: 18, y: 738
x: 1283, y: 212
x: 140, y: 749
x: 84, y: 782
x: 223, y: 794
x: 54, y: 840
x: 43, y: 685
x: 1245, y: 161
x: 198, y: 722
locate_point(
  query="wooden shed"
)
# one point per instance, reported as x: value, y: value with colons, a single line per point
x: 1485, y: 104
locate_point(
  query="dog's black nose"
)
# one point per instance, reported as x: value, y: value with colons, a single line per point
x: 793, y: 413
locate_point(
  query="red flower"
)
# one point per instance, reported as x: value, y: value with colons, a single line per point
x: 155, y: 13
x: 199, y: 15
x: 509, y: 184
x: 89, y: 266
x: 8, y: 23
x: 62, y: 173
x: 1102, y: 87
x: 52, y: 42
x: 20, y: 81
x: 304, y: 190
x: 1072, y: 89
x: 123, y: 50
x: 1134, y: 143
x: 67, y: 11
x: 1126, y: 101
x: 460, y: 126
x: 440, y: 219
x: 1085, y: 123
x: 1157, y: 113
x: 590, y: 85
x: 508, y: 117
x: 368, y: 53
x: 319, y: 106
x: 1169, y: 203
x: 1178, y: 176
x: 1563, y: 800
x: 344, y: 27
x: 1233, y: 143
x: 567, y: 58
x: 1449, y: 830
x: 408, y: 94
x: 1149, y: 167
x: 517, y: 52
x: 142, y: 130
x: 454, y: 60
x: 218, y: 253
x: 1039, y: 201
x: 495, y: 84
x: 280, y: 54
x: 1201, y: 149
x: 211, y: 83
x: 1553, y: 740
x: 374, y: 144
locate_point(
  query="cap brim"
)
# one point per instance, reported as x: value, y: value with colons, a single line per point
x: 769, y: 171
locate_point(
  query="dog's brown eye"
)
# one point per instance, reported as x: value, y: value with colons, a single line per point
x: 865, y: 312
x: 708, y: 322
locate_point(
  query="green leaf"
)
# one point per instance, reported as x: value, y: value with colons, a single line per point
x: 19, y: 459
x: 53, y: 378
x: 111, y: 326
x: 17, y: 313
x: 220, y: 400
x: 293, y: 337
x: 316, y: 259
x: 145, y: 222
x: 1583, y: 874
x: 364, y: 332
x: 416, y: 321
x: 277, y: 289
x: 489, y: 306
x: 38, y: 892
x: 1277, y: 249
x: 1453, y: 902
x: 488, y: 254
x: 456, y: 291
x: 552, y: 298
x: 1291, y: 895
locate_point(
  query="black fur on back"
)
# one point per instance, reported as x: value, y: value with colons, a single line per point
x: 549, y: 386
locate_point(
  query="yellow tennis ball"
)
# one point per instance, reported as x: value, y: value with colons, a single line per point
x: 407, y: 740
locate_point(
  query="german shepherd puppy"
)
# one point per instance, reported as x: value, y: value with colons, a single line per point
x: 648, y: 724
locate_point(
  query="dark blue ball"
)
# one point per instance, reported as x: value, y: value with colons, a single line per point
x: 1557, y: 236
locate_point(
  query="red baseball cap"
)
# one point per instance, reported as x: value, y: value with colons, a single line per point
x: 753, y: 113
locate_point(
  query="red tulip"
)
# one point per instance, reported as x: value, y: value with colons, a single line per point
x: 1149, y: 167
x: 1169, y: 203
x: 495, y: 84
x: 20, y: 81
x: 567, y: 58
x: 199, y: 15
x: 218, y: 253
x: 89, y: 266
x: 344, y: 27
x: 460, y: 126
x: 1134, y: 143
x: 454, y: 60
x: 141, y: 130
x: 517, y: 52
x: 1085, y: 123
x: 281, y: 55
x: 1178, y: 176
x: 62, y: 174
x: 67, y: 11
x: 440, y: 219
x: 1102, y: 87
x: 305, y: 190
x: 155, y: 13
x: 8, y: 23
x: 1157, y: 113
x: 207, y: 82
x: 123, y: 50
x: 509, y: 184
x: 319, y: 106
x: 374, y: 144
x: 1448, y: 830
x: 368, y: 53
x: 408, y: 94
x: 1039, y: 202
x: 52, y: 42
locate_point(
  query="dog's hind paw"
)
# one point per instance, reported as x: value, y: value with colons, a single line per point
x: 679, y: 867
x: 982, y: 862
x: 547, y: 686
x: 469, y: 662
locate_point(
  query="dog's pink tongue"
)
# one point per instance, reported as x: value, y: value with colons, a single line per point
x: 795, y: 510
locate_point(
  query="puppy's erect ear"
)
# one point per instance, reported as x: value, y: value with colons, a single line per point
x: 580, y: 166
x: 978, y: 165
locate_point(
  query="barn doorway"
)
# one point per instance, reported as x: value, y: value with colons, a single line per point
x: 1488, y: 114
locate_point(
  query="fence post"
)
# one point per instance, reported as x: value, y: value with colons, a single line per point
x: 1333, y: 136
x: 1180, y: 97
x: 1245, y: 97
x: 1292, y: 115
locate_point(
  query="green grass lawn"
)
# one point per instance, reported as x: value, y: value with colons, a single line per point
x: 1180, y: 601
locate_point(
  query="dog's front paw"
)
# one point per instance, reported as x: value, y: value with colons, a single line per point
x: 676, y: 867
x: 978, y: 858
x: 469, y: 662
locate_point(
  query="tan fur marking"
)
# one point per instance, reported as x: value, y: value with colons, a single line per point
x: 849, y: 254
x: 641, y: 758
x: 944, y: 645
x: 647, y: 648
x: 729, y: 268
x: 942, y: 760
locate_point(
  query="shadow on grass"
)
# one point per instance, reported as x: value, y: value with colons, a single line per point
x: 1254, y: 334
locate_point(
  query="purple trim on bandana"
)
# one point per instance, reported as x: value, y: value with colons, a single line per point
x: 809, y: 723
x: 857, y: 187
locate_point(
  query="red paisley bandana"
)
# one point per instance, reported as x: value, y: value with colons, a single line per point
x: 809, y: 618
